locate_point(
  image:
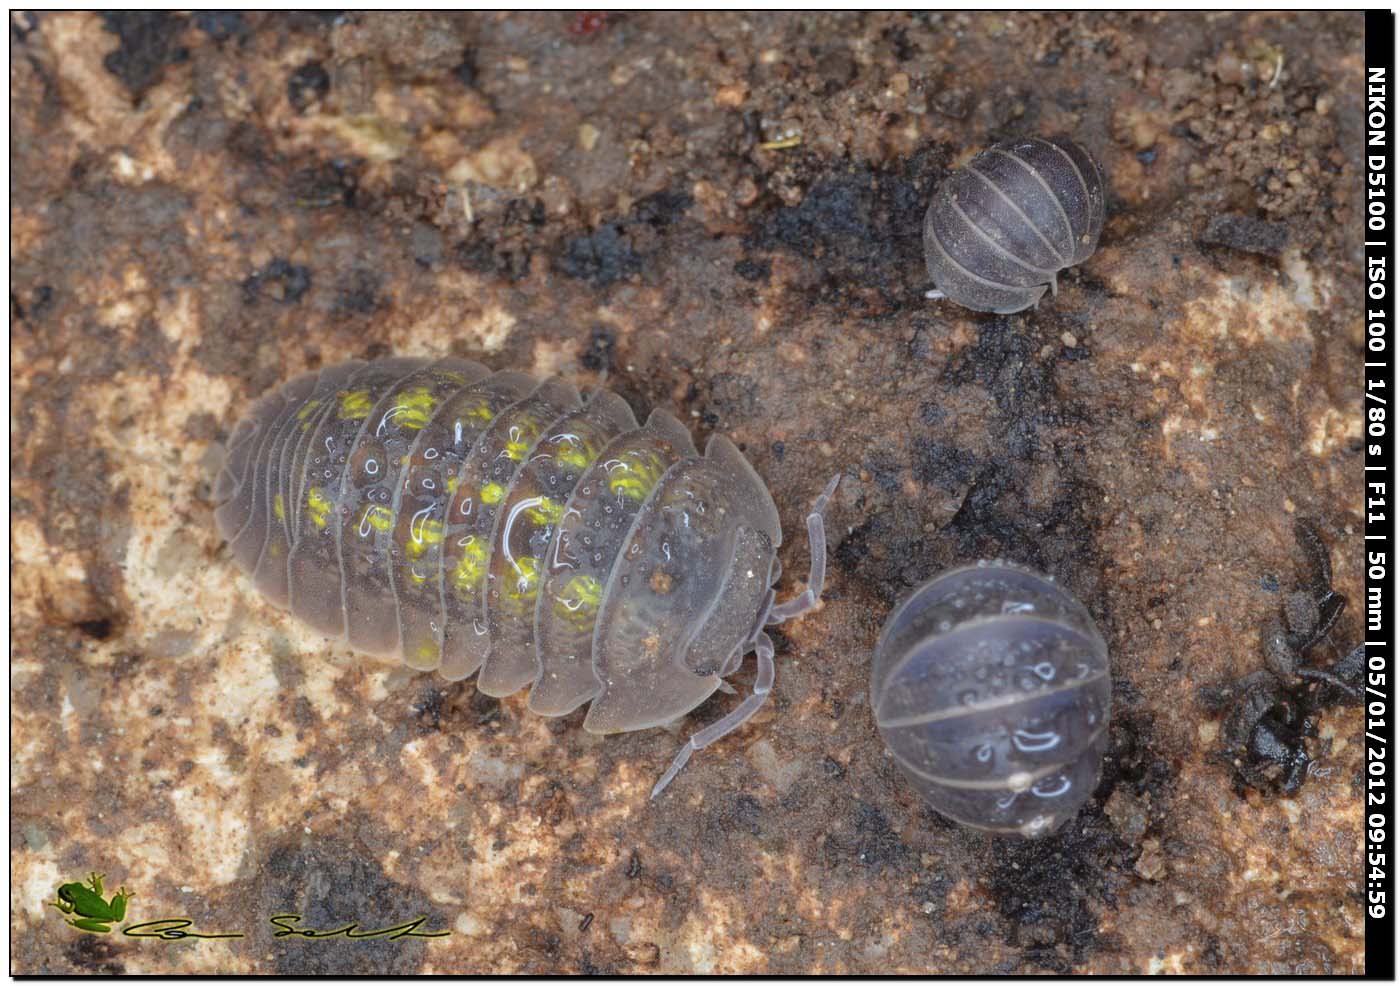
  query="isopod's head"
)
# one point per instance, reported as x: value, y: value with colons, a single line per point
x: 724, y: 632
x: 991, y: 688
x: 1000, y: 229
x: 689, y: 598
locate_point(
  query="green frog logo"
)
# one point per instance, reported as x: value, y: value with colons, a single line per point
x: 87, y: 909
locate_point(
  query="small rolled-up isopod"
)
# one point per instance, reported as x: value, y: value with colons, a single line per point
x: 493, y: 524
x: 1000, y: 230
x: 991, y: 688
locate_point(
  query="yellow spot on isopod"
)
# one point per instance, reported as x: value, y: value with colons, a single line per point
x: 546, y: 512
x: 413, y: 408
x: 318, y: 506
x: 480, y: 410
x: 635, y: 475
x: 471, y: 567
x: 520, y: 592
x: 579, y: 600
x: 422, y: 655
x: 379, y: 517
x: 516, y: 447
x: 521, y: 436
x: 422, y: 536
x: 576, y: 456
x: 354, y: 404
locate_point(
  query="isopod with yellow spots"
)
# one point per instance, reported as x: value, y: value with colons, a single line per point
x: 484, y: 523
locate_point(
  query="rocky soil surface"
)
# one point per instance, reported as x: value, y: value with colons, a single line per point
x: 723, y: 213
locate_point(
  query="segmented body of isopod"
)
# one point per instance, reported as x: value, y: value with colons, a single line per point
x: 493, y: 524
x: 1000, y: 230
x: 991, y: 687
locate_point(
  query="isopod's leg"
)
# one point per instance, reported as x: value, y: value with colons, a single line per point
x: 934, y: 295
x: 1319, y: 558
x: 1329, y: 678
x: 763, y: 651
x: 816, y: 576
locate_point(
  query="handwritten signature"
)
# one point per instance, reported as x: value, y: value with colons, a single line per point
x: 175, y: 929
x: 409, y: 929
x: 172, y: 929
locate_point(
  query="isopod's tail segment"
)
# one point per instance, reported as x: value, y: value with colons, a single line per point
x: 816, y: 576
x: 763, y: 685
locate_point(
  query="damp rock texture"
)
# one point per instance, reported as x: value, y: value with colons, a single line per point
x: 722, y: 212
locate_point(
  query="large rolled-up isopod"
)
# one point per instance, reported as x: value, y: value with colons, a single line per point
x: 991, y: 688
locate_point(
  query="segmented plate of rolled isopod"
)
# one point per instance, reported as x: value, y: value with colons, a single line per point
x: 991, y: 688
x: 999, y: 230
x: 484, y: 523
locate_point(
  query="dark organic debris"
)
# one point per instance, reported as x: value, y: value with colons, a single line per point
x: 221, y: 25
x: 280, y: 281
x: 99, y: 628
x: 307, y: 86
x: 1043, y: 888
x: 329, y: 184
x: 599, y: 354
x: 617, y: 249
x: 873, y: 845
x: 466, y: 72
x: 359, y: 293
x: 754, y: 270
x: 331, y: 883
x: 1270, y: 713
x: 95, y: 954
x: 1246, y: 234
x: 147, y: 46
x: 600, y: 257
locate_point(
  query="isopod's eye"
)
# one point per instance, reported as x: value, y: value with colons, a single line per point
x: 991, y: 688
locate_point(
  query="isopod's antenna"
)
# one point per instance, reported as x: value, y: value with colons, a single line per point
x: 763, y: 645
x: 602, y: 379
x: 763, y: 651
x: 816, y: 576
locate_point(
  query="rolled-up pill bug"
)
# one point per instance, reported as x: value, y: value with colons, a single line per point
x: 991, y: 688
x: 1000, y: 229
x: 494, y: 524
